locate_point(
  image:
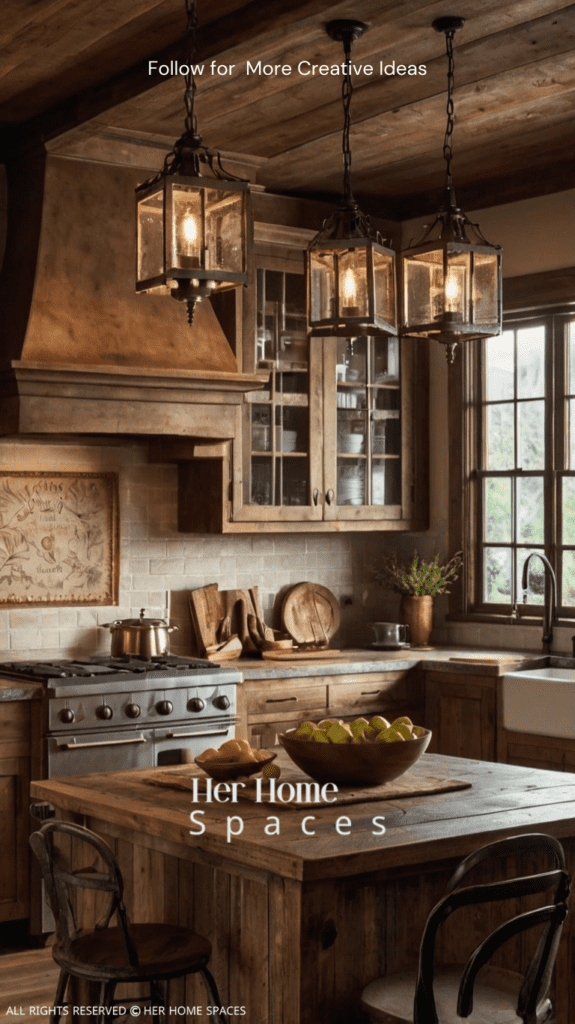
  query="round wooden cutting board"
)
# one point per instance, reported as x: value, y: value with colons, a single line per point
x: 310, y: 613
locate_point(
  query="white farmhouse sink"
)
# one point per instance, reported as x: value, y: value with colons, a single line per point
x: 540, y: 701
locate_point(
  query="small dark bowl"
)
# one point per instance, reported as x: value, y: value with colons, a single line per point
x: 224, y: 769
x: 366, y: 764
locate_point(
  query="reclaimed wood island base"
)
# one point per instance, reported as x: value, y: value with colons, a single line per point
x: 299, y: 924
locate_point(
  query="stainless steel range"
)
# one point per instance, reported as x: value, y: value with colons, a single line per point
x: 108, y: 714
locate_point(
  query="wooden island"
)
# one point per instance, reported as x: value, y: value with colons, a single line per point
x: 299, y: 923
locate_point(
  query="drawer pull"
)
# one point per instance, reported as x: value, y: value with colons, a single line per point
x: 370, y: 693
x: 73, y: 745
x: 192, y: 735
x: 279, y: 700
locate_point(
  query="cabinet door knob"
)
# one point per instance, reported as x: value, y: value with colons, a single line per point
x: 315, y: 495
x: 330, y: 496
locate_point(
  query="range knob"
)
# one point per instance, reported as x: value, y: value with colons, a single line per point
x: 104, y: 711
x: 222, y: 703
x: 164, y: 707
x: 66, y: 715
x: 196, y: 704
x: 132, y: 710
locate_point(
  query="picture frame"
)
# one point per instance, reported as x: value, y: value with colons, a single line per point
x: 59, y: 539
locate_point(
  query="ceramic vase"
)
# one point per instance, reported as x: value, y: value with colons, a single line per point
x: 417, y: 613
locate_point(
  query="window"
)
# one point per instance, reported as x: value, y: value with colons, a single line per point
x: 522, y: 479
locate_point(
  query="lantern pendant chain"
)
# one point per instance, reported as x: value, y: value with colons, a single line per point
x: 447, y: 147
x: 190, y: 93
x: 346, y: 94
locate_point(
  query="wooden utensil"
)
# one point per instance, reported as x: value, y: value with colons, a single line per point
x: 266, y: 632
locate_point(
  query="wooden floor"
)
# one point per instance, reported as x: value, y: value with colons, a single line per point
x: 27, y: 983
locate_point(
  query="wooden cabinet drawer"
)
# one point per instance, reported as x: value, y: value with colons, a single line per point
x: 277, y: 700
x: 14, y: 728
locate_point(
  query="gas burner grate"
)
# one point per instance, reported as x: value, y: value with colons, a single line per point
x: 107, y: 666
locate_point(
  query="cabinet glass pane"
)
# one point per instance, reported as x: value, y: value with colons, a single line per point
x: 368, y: 408
x: 351, y: 482
x: 279, y: 415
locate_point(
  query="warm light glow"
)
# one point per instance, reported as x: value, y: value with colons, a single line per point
x: 349, y: 288
x: 189, y: 233
x: 454, y: 290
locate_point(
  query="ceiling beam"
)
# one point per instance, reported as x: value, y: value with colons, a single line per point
x: 246, y: 23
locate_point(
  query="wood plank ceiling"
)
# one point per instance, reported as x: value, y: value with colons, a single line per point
x: 68, y: 65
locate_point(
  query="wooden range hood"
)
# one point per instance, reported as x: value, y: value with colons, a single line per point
x: 81, y: 353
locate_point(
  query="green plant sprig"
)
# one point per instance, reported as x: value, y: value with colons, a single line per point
x: 420, y: 577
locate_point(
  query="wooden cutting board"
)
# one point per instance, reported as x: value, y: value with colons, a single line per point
x: 310, y: 613
x: 292, y: 654
x: 207, y: 611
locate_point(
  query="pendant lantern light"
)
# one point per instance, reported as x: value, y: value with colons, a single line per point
x: 350, y: 271
x: 192, y: 229
x: 451, y: 282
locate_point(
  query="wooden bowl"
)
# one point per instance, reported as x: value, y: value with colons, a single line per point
x: 223, y: 769
x: 366, y: 764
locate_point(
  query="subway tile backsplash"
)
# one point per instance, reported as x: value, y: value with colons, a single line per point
x: 159, y: 566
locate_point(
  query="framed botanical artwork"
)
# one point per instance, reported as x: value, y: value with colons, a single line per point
x: 59, y: 539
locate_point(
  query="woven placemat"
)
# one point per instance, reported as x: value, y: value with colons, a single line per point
x: 413, y: 783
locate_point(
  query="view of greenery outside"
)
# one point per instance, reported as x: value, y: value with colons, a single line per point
x: 521, y: 479
x: 514, y: 445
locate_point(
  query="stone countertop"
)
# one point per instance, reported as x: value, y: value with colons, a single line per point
x: 439, y: 659
x: 14, y: 689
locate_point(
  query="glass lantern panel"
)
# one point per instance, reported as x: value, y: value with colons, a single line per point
x: 384, y: 287
x: 321, y: 285
x: 423, y: 281
x: 151, y: 236
x: 224, y: 230
x: 353, y: 283
x: 456, y: 287
x: 485, y: 288
x: 187, y: 233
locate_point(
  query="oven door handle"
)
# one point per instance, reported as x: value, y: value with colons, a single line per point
x: 192, y: 735
x: 73, y: 745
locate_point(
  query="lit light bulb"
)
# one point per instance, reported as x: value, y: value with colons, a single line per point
x: 349, y: 306
x: 454, y: 290
x: 349, y: 288
x: 188, y: 238
x: 189, y: 228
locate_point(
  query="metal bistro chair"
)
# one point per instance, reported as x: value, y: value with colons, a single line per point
x: 149, y: 953
x: 446, y: 995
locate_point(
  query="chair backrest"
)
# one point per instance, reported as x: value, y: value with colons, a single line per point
x: 537, y: 977
x: 48, y: 843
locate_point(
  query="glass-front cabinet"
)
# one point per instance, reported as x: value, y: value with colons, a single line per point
x: 334, y: 437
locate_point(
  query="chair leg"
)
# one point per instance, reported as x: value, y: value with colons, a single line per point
x: 159, y: 998
x: 107, y: 989
x: 212, y: 988
x: 59, y: 997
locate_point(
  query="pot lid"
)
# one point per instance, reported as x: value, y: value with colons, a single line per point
x: 141, y: 622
